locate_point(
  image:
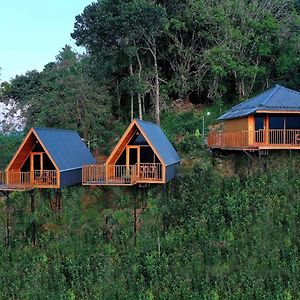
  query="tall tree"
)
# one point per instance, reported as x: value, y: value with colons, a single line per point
x: 133, y: 28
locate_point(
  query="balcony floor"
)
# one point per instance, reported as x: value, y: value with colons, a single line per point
x: 261, y: 147
x: 9, y: 188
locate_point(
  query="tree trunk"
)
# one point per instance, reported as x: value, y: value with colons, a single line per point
x: 139, y: 95
x: 119, y: 98
x: 131, y: 94
x: 143, y: 104
x: 157, y: 88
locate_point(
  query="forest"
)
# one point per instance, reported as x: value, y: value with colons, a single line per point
x: 224, y: 228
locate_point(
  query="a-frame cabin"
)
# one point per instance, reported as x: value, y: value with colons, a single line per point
x: 47, y: 158
x: 143, y: 155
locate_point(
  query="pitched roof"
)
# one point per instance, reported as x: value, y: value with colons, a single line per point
x: 159, y: 141
x: 276, y: 98
x: 65, y: 147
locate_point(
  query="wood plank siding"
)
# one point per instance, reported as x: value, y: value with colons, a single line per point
x: 236, y: 125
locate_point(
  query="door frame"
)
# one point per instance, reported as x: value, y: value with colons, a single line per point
x: 32, y: 168
x: 134, y: 175
x: 128, y: 148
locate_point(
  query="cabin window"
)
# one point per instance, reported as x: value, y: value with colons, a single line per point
x: 292, y: 122
x: 137, y: 139
x: 276, y: 122
x: 26, y: 165
x: 259, y: 122
x: 122, y: 159
x: 148, y: 155
x: 47, y: 163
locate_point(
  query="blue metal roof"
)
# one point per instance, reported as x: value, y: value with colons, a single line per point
x: 276, y: 98
x: 160, y: 142
x: 65, y: 147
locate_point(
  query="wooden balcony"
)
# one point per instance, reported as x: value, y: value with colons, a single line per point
x: 14, y: 180
x: 122, y: 174
x: 260, y: 139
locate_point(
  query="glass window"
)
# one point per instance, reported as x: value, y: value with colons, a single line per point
x: 292, y: 122
x: 277, y: 122
x: 259, y: 122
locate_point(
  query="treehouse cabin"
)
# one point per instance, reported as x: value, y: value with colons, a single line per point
x: 143, y: 155
x: 47, y: 158
x: 270, y: 120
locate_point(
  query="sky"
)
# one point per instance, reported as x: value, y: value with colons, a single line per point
x: 32, y: 32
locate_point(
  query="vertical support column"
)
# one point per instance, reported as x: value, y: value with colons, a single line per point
x: 8, y: 211
x: 164, y: 196
x: 267, y: 127
x: 251, y: 130
x: 58, y: 199
x: 33, y: 225
x: 135, y: 218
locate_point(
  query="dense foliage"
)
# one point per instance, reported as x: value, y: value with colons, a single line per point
x: 236, y: 241
x: 217, y: 231
x: 142, y: 55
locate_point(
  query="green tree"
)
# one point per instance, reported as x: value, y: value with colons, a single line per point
x: 63, y: 95
x: 130, y: 29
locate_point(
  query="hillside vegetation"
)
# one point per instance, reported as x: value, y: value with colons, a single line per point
x: 226, y: 227
x: 209, y: 236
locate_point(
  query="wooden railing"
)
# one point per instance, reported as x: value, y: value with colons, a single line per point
x: 150, y: 171
x: 229, y: 139
x: 45, y: 177
x: 284, y: 137
x: 111, y: 174
x: 22, y: 180
x: 264, y: 137
x: 19, y: 180
x: 121, y: 174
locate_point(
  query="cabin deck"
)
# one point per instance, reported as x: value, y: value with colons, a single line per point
x: 20, y: 181
x: 121, y: 174
x: 255, y: 140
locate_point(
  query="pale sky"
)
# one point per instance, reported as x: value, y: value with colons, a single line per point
x: 32, y: 32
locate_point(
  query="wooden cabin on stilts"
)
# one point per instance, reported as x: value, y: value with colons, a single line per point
x: 143, y: 156
x: 268, y: 121
x: 46, y: 159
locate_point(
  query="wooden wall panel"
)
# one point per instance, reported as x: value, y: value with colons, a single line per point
x: 23, y: 153
x: 236, y: 125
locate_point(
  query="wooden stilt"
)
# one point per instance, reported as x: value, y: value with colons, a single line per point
x: 58, y: 199
x: 33, y: 225
x: 236, y: 163
x: 135, y: 194
x: 8, y: 211
x: 50, y: 200
x: 164, y: 194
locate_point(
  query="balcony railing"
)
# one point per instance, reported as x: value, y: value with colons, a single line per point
x: 25, y: 180
x: 121, y: 174
x: 45, y: 177
x: 266, y: 137
x: 15, y: 180
x: 150, y: 171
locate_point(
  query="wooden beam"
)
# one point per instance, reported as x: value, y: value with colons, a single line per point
x: 277, y: 112
x: 121, y: 144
